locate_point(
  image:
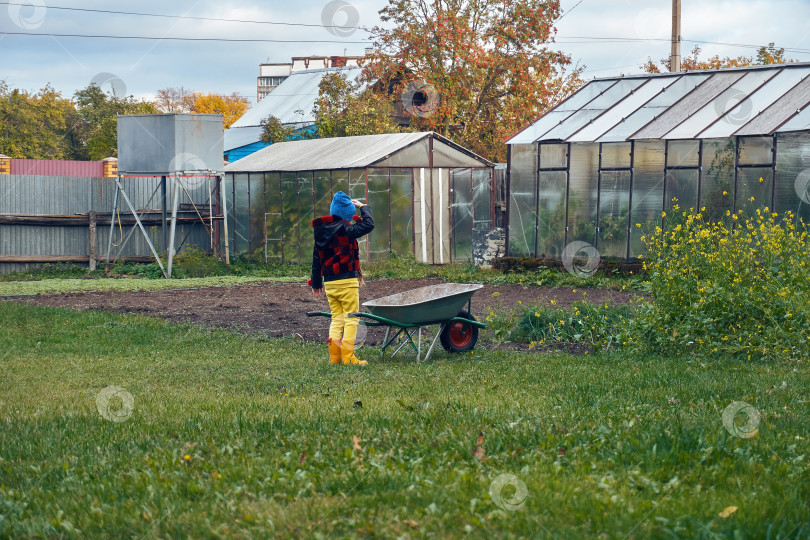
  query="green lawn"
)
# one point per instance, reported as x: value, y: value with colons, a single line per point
x: 61, y: 285
x: 238, y: 436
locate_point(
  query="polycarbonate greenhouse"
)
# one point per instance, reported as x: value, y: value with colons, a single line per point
x: 427, y: 193
x: 602, y: 166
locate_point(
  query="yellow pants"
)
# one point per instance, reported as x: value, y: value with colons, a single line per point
x: 344, y: 298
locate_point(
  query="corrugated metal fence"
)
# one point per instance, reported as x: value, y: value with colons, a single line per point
x: 57, y: 167
x: 47, y: 219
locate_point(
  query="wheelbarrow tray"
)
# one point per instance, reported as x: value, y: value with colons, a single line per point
x: 431, y: 304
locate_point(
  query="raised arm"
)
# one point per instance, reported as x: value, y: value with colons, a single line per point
x: 365, y: 226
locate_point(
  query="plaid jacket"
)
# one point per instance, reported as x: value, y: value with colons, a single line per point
x: 336, y: 255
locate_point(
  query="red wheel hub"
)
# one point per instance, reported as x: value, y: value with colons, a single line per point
x: 460, y: 334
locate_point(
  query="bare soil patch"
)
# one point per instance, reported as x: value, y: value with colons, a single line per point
x: 279, y: 309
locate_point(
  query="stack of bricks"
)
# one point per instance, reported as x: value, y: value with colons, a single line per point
x: 110, y: 167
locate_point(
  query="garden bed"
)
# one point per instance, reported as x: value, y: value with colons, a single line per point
x: 279, y: 309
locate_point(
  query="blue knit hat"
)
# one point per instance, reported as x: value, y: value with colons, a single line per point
x: 342, y: 206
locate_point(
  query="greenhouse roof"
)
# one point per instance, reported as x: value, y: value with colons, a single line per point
x: 387, y: 150
x: 292, y: 101
x: 241, y: 136
x: 748, y: 101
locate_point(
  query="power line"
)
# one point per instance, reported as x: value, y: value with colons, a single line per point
x: 170, y: 38
x: 190, y: 17
x: 591, y: 39
x: 569, y: 11
x: 585, y: 39
x: 596, y: 39
x: 742, y: 45
x: 605, y: 39
x: 564, y: 40
x: 310, y: 25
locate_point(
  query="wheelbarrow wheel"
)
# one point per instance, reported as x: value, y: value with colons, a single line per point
x: 459, y: 336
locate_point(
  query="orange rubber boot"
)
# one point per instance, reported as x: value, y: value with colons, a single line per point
x: 347, y: 353
x: 334, y: 352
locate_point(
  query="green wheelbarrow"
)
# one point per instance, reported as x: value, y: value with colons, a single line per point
x: 405, y: 314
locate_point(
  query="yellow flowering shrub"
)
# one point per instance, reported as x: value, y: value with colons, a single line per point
x: 741, y: 289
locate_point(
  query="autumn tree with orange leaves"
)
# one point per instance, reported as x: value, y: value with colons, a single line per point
x: 476, y: 71
x: 765, y: 56
x: 231, y: 107
x: 182, y: 100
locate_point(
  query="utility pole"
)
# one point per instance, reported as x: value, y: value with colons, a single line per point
x: 675, y: 56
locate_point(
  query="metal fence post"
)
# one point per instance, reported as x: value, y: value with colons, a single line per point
x: 92, y: 242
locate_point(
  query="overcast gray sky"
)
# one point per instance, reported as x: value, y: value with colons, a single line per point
x: 142, y: 66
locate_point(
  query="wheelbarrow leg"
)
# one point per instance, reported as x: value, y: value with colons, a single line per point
x: 408, y: 340
x: 385, y: 341
x: 419, y: 347
x: 435, y: 339
x: 399, y: 348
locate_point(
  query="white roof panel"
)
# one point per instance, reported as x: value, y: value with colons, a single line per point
x: 780, y: 112
x: 670, y: 95
x: 552, y: 119
x: 755, y: 104
x: 688, y: 105
x: 621, y: 110
x: 243, y: 136
x: 720, y: 106
x: 594, y: 108
x: 293, y: 100
x: 347, y: 153
x: 800, y: 122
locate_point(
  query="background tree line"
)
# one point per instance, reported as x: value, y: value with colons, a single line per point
x: 46, y: 125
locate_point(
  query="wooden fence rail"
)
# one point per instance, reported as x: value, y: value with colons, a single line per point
x: 91, y: 220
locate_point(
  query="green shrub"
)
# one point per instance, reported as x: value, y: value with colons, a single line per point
x: 49, y: 271
x: 197, y: 263
x: 598, y: 325
x: 591, y: 324
x: 742, y: 292
x: 530, y: 264
x: 245, y: 266
x: 148, y: 270
x: 397, y: 265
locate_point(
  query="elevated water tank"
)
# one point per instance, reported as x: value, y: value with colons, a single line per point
x: 158, y: 144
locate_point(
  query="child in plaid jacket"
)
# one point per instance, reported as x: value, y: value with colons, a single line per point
x: 336, y: 269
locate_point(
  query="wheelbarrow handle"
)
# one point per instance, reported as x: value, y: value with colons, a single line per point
x: 351, y: 315
x: 376, y: 320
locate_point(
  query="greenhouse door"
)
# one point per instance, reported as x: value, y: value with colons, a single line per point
x: 431, y: 209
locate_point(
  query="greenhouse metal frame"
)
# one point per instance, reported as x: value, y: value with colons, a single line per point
x: 427, y: 193
x: 608, y: 164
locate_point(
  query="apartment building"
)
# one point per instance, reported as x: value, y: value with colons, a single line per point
x: 273, y: 74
